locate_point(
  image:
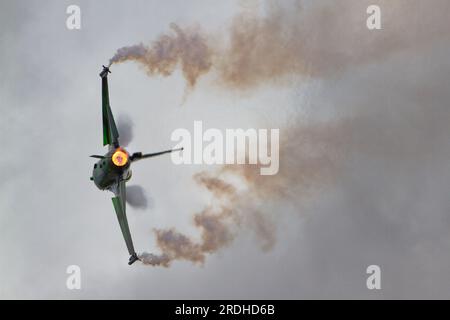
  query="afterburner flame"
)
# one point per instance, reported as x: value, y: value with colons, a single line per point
x: 120, y: 157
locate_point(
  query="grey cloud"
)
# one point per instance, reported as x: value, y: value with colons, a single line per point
x: 385, y: 201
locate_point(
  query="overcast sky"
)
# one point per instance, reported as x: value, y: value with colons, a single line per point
x: 385, y: 200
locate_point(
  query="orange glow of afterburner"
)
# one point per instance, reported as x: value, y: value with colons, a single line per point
x: 120, y: 158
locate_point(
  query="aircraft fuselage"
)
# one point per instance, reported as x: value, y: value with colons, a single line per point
x: 114, y: 167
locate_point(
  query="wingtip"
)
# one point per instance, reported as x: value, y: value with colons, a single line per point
x: 133, y: 259
x: 104, y: 72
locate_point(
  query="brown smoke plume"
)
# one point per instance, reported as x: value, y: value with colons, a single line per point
x: 304, y: 39
x: 309, y: 39
x: 243, y: 203
x: 214, y: 225
x: 186, y: 47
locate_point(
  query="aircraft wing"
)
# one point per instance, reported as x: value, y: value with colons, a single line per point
x: 119, y: 202
x: 110, y: 133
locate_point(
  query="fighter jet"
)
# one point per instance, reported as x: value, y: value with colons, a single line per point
x: 112, y: 170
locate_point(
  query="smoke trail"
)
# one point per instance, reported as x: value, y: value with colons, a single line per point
x: 214, y: 224
x: 136, y: 52
x: 241, y: 195
x: 300, y: 39
x: 307, y: 40
x: 186, y: 47
x: 154, y: 260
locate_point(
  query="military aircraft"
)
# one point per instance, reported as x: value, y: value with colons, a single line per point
x: 112, y: 171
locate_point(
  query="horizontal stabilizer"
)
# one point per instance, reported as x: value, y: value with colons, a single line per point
x: 138, y: 155
x: 97, y: 156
